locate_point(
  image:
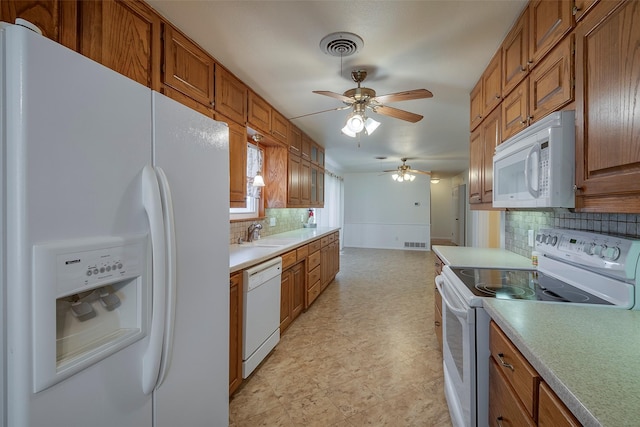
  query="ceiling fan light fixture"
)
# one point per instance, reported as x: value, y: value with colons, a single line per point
x: 355, y: 122
x: 395, y: 176
x: 345, y: 130
x: 371, y: 125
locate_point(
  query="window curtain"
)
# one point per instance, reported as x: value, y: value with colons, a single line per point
x: 254, y: 165
x: 332, y: 215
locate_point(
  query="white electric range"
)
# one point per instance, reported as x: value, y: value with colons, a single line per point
x: 575, y: 267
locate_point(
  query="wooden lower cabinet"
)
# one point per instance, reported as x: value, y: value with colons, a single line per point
x: 292, y: 294
x: 329, y: 259
x: 235, y: 332
x: 517, y: 395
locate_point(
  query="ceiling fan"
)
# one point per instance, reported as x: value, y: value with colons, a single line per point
x: 404, y: 172
x: 361, y: 99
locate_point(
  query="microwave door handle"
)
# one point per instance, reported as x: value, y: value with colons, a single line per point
x: 530, y: 178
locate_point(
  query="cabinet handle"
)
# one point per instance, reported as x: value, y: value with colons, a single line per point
x: 576, y: 188
x: 523, y: 69
x: 498, y: 96
x: 503, y: 363
x: 523, y: 122
x: 499, y: 421
x: 575, y: 10
x: 437, y: 323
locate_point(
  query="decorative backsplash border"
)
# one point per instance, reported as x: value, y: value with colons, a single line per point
x: 518, y: 223
x: 286, y: 220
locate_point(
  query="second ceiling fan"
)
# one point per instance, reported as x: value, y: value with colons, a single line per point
x: 361, y: 99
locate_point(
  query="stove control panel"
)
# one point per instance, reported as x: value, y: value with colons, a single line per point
x: 614, y: 253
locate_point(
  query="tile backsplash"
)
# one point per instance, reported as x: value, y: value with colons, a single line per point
x: 517, y: 224
x: 286, y: 220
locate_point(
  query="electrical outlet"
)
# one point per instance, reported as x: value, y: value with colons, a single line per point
x: 531, y: 238
x: 272, y: 222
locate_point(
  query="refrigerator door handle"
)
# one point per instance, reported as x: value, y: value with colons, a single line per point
x: 151, y: 201
x: 170, y: 236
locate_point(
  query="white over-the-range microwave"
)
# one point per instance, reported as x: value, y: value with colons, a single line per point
x: 536, y: 167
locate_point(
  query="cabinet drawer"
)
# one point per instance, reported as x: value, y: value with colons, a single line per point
x: 313, y: 260
x: 314, y: 275
x: 314, y: 246
x: 504, y: 407
x: 288, y: 259
x: 552, y: 412
x: 313, y: 293
x: 302, y: 252
x: 325, y: 241
x: 515, y: 368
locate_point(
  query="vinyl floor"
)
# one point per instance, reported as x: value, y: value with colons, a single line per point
x: 364, y: 354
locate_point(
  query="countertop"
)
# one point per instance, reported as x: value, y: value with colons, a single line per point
x: 589, y: 356
x: 463, y: 256
x: 247, y: 254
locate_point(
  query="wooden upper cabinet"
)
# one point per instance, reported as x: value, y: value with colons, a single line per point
x: 515, y: 54
x: 230, y: 95
x: 186, y: 67
x: 294, y: 180
x: 259, y: 114
x: 56, y: 19
x: 295, y: 139
x: 607, y: 109
x: 492, y: 84
x: 581, y: 8
x: 307, y: 142
x: 549, y: 22
x: 476, y: 106
x: 476, y: 166
x: 279, y: 127
x: 515, y: 110
x: 237, y: 163
x: 317, y: 155
x: 124, y: 36
x: 551, y: 82
x: 491, y: 136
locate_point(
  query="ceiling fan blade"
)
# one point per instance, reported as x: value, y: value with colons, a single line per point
x: 323, y: 111
x: 419, y: 171
x: 403, y: 96
x: 396, y: 113
x: 335, y: 95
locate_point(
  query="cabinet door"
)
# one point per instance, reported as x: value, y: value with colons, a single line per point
x: 476, y: 106
x: 230, y: 95
x: 319, y: 201
x: 124, y: 36
x: 56, y: 19
x: 515, y: 54
x: 476, y: 165
x: 237, y: 164
x: 295, y: 140
x: 279, y: 127
x: 305, y: 182
x: 515, y: 114
x: 285, y: 299
x: 306, y: 147
x: 607, y: 109
x: 490, y: 140
x: 294, y: 172
x: 552, y: 412
x: 259, y: 114
x: 492, y: 84
x: 581, y: 8
x: 235, y: 332
x: 549, y: 22
x: 298, y: 291
x: 551, y: 82
x: 186, y: 67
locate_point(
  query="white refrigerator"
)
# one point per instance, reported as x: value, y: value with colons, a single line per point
x: 114, y: 256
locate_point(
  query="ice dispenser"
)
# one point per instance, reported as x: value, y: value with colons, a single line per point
x: 90, y: 300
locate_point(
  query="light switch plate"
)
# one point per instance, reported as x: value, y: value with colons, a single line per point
x: 531, y: 238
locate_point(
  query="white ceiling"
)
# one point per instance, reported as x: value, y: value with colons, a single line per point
x: 442, y: 46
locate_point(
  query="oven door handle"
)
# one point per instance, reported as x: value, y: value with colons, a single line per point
x: 459, y: 312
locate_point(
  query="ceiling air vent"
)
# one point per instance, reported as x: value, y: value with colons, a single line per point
x: 341, y: 44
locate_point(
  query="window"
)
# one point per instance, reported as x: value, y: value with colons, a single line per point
x: 254, y: 165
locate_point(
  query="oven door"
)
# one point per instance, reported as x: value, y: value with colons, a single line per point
x: 458, y: 347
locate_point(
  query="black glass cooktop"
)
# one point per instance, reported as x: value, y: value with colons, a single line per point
x: 523, y: 285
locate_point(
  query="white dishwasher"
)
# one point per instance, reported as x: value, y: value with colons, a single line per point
x: 261, y: 317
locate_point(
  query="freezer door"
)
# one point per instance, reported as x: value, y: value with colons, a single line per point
x: 192, y: 150
x: 77, y: 137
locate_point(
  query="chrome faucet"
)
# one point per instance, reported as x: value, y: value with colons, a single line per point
x: 253, y: 233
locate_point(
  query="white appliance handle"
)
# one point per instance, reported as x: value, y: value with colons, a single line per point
x: 170, y: 235
x: 459, y: 312
x: 529, y: 179
x: 151, y: 201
